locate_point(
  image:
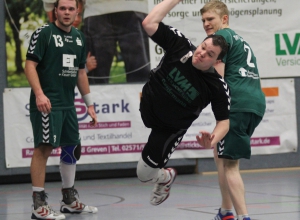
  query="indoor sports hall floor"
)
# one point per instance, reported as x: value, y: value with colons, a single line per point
x: 271, y: 194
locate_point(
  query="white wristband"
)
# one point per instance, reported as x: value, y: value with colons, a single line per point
x: 88, y: 99
x: 86, y: 69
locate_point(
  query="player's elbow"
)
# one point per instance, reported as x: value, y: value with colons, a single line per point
x: 149, y: 26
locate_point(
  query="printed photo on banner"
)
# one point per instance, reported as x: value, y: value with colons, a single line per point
x: 269, y: 26
x: 117, y: 45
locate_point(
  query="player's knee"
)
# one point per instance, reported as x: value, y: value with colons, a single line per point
x: 70, y: 154
x: 144, y: 172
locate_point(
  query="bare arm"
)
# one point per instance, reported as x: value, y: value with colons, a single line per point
x: 209, y: 140
x: 82, y: 82
x: 84, y: 89
x: 220, y: 68
x: 157, y: 14
x: 42, y: 102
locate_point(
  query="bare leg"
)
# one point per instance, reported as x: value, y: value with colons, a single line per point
x: 235, y: 186
x: 38, y: 165
x: 226, y: 200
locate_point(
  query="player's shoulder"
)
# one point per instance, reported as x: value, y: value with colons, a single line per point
x: 225, y: 32
x: 42, y: 29
x: 75, y: 31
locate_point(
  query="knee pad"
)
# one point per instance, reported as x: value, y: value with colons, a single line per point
x: 146, y: 173
x: 70, y: 154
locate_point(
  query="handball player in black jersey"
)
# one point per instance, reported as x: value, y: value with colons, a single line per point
x: 178, y: 89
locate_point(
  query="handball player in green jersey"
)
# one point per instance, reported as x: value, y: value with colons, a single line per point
x: 240, y: 71
x: 55, y: 64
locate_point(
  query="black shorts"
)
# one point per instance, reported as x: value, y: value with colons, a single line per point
x: 160, y: 146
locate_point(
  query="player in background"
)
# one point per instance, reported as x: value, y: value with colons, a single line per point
x: 240, y: 71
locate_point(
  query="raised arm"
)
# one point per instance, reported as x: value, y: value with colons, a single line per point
x: 157, y: 14
x: 220, y: 68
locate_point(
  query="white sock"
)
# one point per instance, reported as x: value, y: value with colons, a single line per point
x: 163, y: 176
x: 225, y: 211
x: 241, y: 217
x: 67, y: 173
x: 37, y: 189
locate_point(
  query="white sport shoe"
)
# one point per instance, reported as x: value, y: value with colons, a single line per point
x: 161, y: 191
x: 71, y: 204
x: 46, y: 212
x: 77, y: 207
x: 41, y: 209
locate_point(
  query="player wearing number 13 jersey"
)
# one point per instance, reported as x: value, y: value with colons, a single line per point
x: 55, y: 64
x: 59, y: 56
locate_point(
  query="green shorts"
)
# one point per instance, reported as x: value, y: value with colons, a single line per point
x: 236, y: 143
x: 58, y: 128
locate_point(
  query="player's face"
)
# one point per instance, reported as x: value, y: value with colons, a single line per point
x: 206, y: 55
x: 212, y: 22
x: 66, y: 13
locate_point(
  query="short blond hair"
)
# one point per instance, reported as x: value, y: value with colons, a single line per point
x: 217, y: 6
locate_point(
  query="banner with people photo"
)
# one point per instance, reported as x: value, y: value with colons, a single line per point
x: 117, y: 45
x: 267, y: 25
x: 120, y: 134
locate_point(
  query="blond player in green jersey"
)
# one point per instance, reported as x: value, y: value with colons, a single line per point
x: 239, y: 69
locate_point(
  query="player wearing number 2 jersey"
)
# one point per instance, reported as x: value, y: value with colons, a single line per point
x: 239, y: 69
x: 242, y: 75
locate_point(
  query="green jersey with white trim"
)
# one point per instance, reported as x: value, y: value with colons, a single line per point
x: 59, y: 56
x: 242, y: 75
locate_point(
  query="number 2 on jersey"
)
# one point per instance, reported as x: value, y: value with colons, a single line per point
x: 247, y: 48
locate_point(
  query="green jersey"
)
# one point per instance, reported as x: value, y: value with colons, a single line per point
x: 242, y: 76
x: 59, y: 56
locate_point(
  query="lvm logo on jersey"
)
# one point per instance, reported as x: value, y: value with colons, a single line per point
x: 287, y: 48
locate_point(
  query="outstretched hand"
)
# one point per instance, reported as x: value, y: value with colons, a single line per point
x: 205, y: 139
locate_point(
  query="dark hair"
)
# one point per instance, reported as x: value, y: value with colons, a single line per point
x: 220, y: 41
x: 57, y: 1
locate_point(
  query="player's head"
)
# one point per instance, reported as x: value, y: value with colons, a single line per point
x: 209, y: 52
x: 215, y: 16
x: 66, y: 12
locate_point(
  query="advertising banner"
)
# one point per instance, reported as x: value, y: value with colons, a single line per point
x: 267, y: 25
x: 120, y: 134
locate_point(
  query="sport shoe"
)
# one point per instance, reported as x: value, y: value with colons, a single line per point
x: 228, y: 216
x: 41, y: 210
x: 161, y: 191
x: 70, y: 204
x: 46, y: 212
